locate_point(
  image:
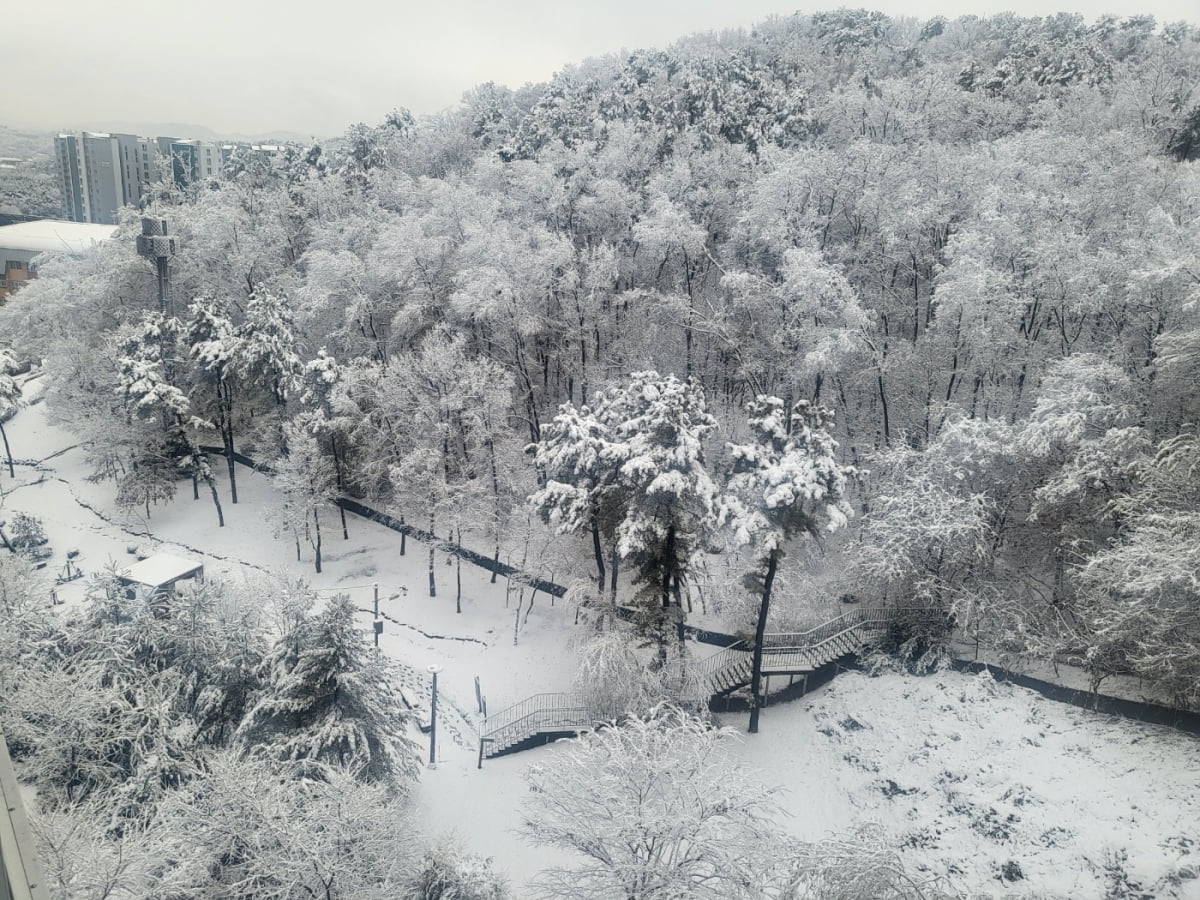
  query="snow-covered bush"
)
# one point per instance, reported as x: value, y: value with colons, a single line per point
x: 446, y: 872
x: 611, y: 679
x: 659, y: 810
x: 656, y: 807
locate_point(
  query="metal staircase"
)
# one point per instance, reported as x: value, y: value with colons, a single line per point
x: 784, y: 653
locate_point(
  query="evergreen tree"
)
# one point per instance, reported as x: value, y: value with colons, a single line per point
x: 786, y: 483
x: 328, y: 701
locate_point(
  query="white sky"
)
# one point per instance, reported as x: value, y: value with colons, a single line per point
x: 317, y: 66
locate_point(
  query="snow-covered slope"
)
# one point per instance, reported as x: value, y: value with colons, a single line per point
x: 999, y: 790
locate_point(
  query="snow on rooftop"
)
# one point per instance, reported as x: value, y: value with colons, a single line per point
x: 161, y: 569
x: 45, y: 235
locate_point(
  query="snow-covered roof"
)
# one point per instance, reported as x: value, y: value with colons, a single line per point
x: 160, y: 570
x: 43, y: 235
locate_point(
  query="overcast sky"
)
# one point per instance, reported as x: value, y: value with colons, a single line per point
x: 317, y: 66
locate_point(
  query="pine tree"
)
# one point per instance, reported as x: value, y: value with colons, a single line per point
x: 635, y: 467
x: 328, y: 701
x: 786, y: 483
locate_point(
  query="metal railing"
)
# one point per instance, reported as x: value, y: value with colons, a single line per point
x: 550, y: 712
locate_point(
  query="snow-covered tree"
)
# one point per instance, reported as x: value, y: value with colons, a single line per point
x: 657, y: 808
x: 247, y: 828
x: 320, y: 382
x: 305, y: 481
x: 147, y: 376
x: 1137, y: 609
x: 451, y: 405
x: 669, y: 501
x: 266, y: 346
x: 581, y: 493
x: 10, y: 399
x: 213, y: 345
x: 785, y: 484
x: 636, y: 465
x: 124, y: 703
x: 329, y: 702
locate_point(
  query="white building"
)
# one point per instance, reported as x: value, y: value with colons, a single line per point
x: 20, y: 243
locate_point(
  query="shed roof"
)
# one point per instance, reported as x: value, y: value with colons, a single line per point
x: 160, y: 570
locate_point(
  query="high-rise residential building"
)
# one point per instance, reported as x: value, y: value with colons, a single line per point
x: 66, y: 151
x: 89, y: 166
x: 100, y: 172
x: 102, y: 164
x: 139, y: 166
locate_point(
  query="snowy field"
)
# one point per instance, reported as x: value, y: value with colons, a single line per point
x: 1002, y: 792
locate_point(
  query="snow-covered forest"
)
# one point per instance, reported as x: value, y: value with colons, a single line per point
x: 739, y: 333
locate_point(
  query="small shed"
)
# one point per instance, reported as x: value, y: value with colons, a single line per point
x: 159, y: 573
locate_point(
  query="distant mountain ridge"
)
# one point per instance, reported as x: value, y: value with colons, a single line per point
x: 173, y: 129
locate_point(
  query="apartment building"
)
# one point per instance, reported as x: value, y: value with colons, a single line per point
x: 100, y: 172
x: 89, y: 166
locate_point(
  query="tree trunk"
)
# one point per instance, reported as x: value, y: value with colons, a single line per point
x: 497, y: 513
x: 7, y: 452
x: 432, y: 583
x: 596, y: 549
x: 212, y: 487
x: 759, y: 632
x: 615, y: 559
x: 225, y: 423
x: 458, y: 575
x: 883, y: 403
x: 337, y: 469
x: 668, y: 567
x: 317, y: 542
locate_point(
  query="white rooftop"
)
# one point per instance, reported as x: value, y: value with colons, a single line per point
x: 45, y: 235
x: 160, y: 569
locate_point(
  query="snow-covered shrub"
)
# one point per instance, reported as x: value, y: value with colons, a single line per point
x: 247, y: 828
x: 915, y: 640
x: 657, y: 808
x: 611, y: 679
x: 446, y: 872
x: 857, y: 866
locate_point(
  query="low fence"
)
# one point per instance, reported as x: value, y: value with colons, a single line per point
x: 1138, y: 710
x: 1130, y: 709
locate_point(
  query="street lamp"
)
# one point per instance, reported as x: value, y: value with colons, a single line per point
x: 433, y: 670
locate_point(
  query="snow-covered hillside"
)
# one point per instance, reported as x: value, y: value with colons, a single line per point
x: 995, y: 788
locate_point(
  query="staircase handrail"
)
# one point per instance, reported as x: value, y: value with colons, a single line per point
x: 567, y: 710
x: 715, y: 662
x: 530, y: 724
x: 523, y: 708
x: 869, y: 617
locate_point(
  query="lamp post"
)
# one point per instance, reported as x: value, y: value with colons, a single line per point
x: 433, y: 670
x: 378, y: 622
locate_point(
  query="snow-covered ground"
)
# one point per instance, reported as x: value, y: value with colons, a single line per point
x: 1001, y: 791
